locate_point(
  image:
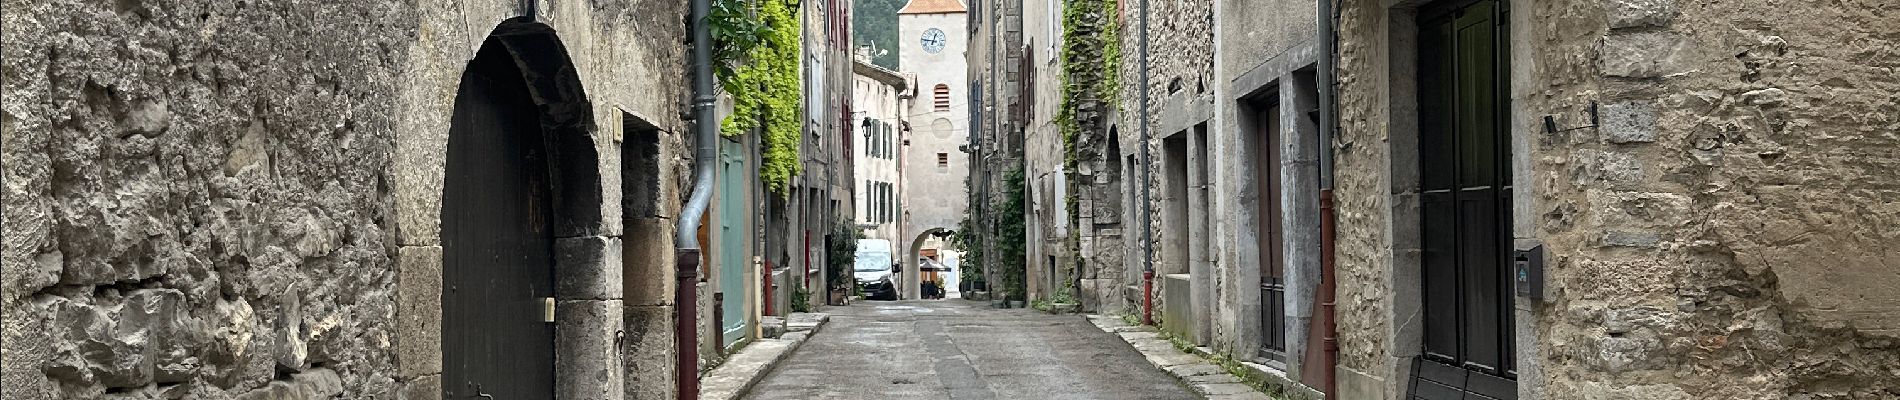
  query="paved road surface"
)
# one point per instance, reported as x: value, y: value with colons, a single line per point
x: 962, y: 350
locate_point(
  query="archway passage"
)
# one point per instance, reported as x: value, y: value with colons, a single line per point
x: 914, y: 271
x: 520, y: 172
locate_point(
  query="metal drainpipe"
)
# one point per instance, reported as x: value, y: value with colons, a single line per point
x: 1147, y: 178
x: 687, y: 252
x: 1328, y: 228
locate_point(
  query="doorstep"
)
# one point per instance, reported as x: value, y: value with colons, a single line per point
x: 741, y: 370
x: 1207, y: 379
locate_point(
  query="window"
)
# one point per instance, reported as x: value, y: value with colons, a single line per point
x: 943, y: 160
x: 942, y: 95
x: 890, y: 141
x: 884, y: 202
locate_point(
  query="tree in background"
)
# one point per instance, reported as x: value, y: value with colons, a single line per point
x: 875, y: 21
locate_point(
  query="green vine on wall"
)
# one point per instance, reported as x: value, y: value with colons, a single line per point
x: 1091, y: 68
x: 757, y: 58
x: 1012, y: 241
x: 1091, y: 88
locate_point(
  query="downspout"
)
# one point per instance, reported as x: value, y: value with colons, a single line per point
x: 1147, y: 179
x: 1328, y: 284
x: 686, y: 255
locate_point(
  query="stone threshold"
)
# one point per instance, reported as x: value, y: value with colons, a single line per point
x: 1194, y: 370
x: 740, y: 371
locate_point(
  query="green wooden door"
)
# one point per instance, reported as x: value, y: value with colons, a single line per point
x: 734, y: 218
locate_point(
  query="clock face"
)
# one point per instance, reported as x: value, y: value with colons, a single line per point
x: 933, y: 40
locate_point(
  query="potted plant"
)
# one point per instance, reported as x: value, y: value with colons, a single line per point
x: 1064, y: 302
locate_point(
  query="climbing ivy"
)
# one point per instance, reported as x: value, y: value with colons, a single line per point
x: 1091, y: 87
x: 757, y: 51
x: 968, y: 238
x: 1091, y: 67
x: 1012, y: 241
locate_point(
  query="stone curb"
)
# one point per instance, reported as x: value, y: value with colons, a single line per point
x: 743, y: 370
x: 1208, y: 380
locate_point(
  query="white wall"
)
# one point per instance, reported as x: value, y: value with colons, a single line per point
x: 936, y: 198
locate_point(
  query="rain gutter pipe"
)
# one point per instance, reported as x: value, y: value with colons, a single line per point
x: 687, y: 252
x: 1328, y: 123
x: 1147, y: 178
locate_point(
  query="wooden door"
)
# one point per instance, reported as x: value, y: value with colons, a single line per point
x: 1272, y: 265
x: 1465, y: 205
x: 735, y: 208
x: 497, y: 245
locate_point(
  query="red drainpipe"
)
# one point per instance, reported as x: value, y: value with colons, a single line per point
x: 1148, y: 297
x: 1327, y: 286
x: 807, y: 249
x: 768, y: 287
x: 685, y: 330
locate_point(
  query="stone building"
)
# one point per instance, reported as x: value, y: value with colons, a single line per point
x: 801, y: 222
x: 1051, y: 262
x: 931, y: 49
x: 1711, y: 186
x: 881, y: 98
x: 234, y: 199
x: 1175, y: 178
x: 1261, y: 150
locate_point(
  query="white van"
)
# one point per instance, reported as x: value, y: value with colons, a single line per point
x: 876, y: 269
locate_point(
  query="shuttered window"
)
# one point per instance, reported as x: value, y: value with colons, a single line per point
x: 942, y: 96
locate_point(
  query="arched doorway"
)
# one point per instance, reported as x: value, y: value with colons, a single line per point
x: 521, y: 171
x: 913, y: 267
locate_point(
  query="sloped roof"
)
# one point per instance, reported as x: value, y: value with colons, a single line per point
x: 889, y: 77
x: 932, y: 7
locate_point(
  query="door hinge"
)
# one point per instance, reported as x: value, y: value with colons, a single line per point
x: 547, y: 309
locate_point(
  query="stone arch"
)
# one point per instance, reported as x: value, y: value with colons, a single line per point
x: 912, y: 275
x: 567, y: 120
x: 527, y: 280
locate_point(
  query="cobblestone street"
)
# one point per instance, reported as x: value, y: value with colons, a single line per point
x: 957, y: 349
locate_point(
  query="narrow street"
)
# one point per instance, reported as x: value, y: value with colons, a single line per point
x: 957, y: 349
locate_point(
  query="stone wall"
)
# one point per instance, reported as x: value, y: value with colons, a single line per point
x: 1360, y: 194
x: 241, y: 198
x: 1731, y: 214
x: 180, y: 216
x: 1717, y: 234
x: 1180, y: 89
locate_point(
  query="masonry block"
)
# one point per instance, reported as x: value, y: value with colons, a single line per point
x: 1639, y: 13
x: 646, y: 269
x: 1642, y: 54
x: 588, y: 366
x: 587, y: 268
x: 1628, y: 122
x: 418, y: 338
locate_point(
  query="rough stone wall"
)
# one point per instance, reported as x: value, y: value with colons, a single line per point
x: 191, y: 207
x: 1718, y: 235
x: 1725, y: 231
x: 226, y: 198
x: 1180, y: 51
x: 1361, y: 190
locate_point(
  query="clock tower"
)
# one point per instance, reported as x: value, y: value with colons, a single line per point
x: 931, y: 41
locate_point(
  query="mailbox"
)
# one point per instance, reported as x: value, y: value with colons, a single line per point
x: 1527, y: 270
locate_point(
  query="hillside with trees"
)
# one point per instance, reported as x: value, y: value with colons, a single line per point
x: 874, y: 22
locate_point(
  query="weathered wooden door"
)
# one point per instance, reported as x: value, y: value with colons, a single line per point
x: 735, y: 208
x: 497, y: 248
x: 1464, y: 149
x: 1272, y: 270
